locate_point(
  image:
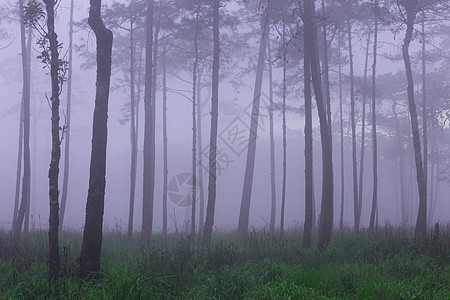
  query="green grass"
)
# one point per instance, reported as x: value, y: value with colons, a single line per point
x: 386, y: 265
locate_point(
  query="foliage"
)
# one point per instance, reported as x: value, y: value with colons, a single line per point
x: 386, y: 265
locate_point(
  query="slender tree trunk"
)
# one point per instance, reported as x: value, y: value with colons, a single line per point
x: 53, y: 172
x: 201, y: 217
x: 209, y: 221
x: 326, y: 213
x: 374, y: 125
x: 404, y: 215
x: 147, y: 203
x: 421, y: 223
x: 194, y: 125
x: 352, y: 116
x: 272, y: 145
x: 283, y: 191
x: 133, y: 164
x: 250, y: 164
x: 326, y: 77
x: 307, y: 230
x: 67, y: 125
x: 363, y: 132
x: 341, y: 122
x: 165, y: 142
x: 424, y: 105
x: 92, y: 236
x: 27, y: 213
x: 26, y: 133
x: 432, y: 182
x: 19, y: 166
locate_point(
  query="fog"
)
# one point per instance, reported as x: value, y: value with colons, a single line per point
x: 234, y: 121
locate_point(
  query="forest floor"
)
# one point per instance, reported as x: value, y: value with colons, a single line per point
x: 386, y: 265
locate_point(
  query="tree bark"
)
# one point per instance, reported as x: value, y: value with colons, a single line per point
x: 251, y: 150
x: 201, y: 217
x: 421, y: 222
x: 92, y: 236
x: 67, y: 125
x: 209, y: 221
x: 147, y: 203
x: 53, y: 172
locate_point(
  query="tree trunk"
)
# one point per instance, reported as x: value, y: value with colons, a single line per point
x: 250, y: 163
x: 26, y: 133
x: 374, y: 125
x: 326, y: 76
x: 352, y: 116
x: 147, y: 203
x: 421, y: 222
x: 363, y: 132
x: 307, y: 230
x: 194, y: 124
x: 165, y: 156
x: 424, y: 105
x: 53, y: 172
x: 92, y: 236
x: 27, y: 213
x: 326, y: 213
x: 404, y: 215
x: 201, y: 217
x: 341, y: 122
x: 19, y: 166
x: 283, y: 191
x: 133, y: 164
x: 209, y: 221
x: 272, y: 145
x: 67, y: 125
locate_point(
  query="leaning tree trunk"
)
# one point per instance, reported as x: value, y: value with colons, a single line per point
x: 273, y: 193
x: 352, y: 116
x: 147, y: 202
x: 17, y: 228
x: 374, y: 126
x: 67, y: 125
x: 209, y: 221
x: 53, y: 172
x: 326, y: 213
x: 92, y: 236
x: 421, y: 223
x: 253, y: 134
x: 307, y: 231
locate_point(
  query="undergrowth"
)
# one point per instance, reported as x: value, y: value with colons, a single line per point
x: 388, y: 264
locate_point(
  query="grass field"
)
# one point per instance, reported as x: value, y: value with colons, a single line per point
x: 386, y: 265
